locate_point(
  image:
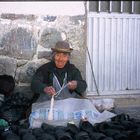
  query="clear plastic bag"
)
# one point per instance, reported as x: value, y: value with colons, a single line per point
x: 68, y: 110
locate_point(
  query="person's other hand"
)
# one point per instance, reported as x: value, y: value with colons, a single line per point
x: 50, y: 90
x: 72, y: 85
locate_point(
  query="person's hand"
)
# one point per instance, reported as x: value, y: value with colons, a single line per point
x: 50, y: 90
x: 72, y: 85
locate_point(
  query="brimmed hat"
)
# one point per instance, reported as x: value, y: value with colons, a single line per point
x: 62, y: 46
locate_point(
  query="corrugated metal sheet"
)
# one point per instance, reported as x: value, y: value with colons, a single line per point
x: 114, y: 48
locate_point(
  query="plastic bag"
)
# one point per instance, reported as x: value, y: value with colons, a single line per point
x: 64, y: 111
x: 103, y: 104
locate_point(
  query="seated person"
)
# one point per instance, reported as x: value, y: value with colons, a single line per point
x: 58, y: 77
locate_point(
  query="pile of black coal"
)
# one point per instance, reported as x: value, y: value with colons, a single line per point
x: 121, y: 127
x: 13, y: 106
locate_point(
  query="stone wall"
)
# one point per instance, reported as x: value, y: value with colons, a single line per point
x: 25, y: 42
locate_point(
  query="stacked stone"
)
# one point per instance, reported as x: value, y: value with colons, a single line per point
x: 25, y: 42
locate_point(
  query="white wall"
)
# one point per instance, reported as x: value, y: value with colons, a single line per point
x: 53, y: 8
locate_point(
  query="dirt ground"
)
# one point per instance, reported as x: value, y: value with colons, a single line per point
x: 132, y: 111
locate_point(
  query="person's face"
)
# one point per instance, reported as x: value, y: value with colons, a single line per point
x: 61, y: 59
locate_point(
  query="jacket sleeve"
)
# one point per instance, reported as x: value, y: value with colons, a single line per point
x: 81, y: 84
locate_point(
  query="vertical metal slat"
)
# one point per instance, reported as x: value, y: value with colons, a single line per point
x: 110, y: 6
x: 114, y: 49
x: 121, y: 10
x: 99, y: 6
x: 132, y: 7
x: 90, y: 44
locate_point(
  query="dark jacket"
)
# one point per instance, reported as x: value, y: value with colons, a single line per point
x: 44, y: 77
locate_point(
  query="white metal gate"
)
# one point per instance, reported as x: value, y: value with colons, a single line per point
x: 114, y: 48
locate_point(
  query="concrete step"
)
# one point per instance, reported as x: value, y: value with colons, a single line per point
x: 128, y: 104
x: 121, y: 100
